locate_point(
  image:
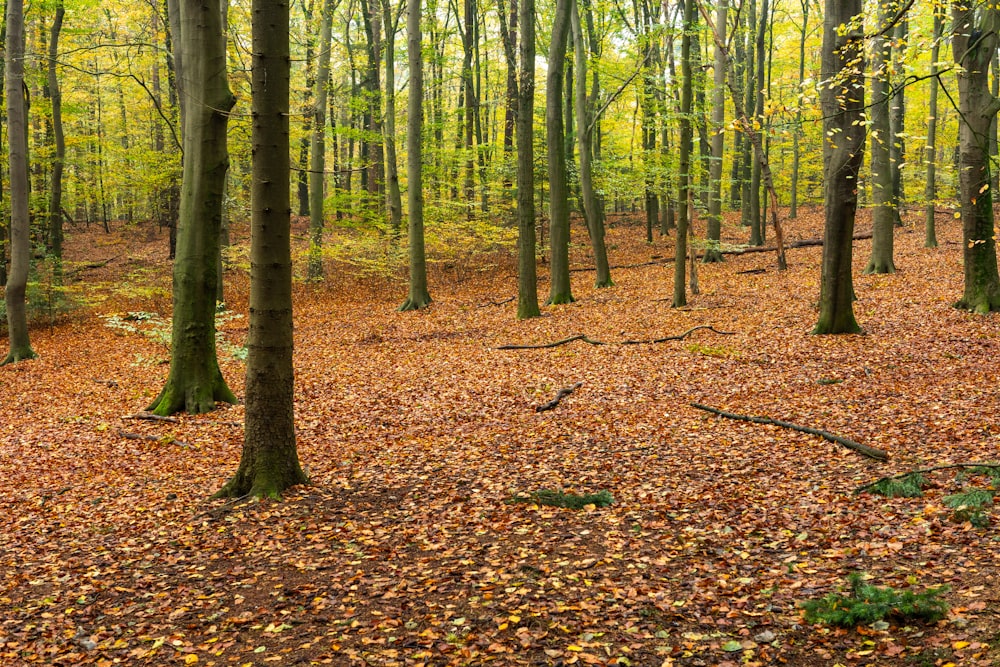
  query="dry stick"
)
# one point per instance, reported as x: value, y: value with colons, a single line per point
x: 591, y: 341
x: 950, y: 466
x: 865, y: 450
x: 765, y: 167
x: 151, y: 417
x: 495, y: 303
x: 560, y: 395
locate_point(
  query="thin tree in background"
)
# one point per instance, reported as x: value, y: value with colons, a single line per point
x: 757, y: 224
x: 793, y: 206
x: 418, y: 297
x: 897, y: 105
x: 714, y: 233
x: 20, y: 222
x: 974, y: 41
x: 195, y: 382
x: 684, y: 161
x: 527, y: 279
x: 560, y: 291
x: 884, y: 214
x: 58, y: 160
x: 930, y: 186
x: 269, y: 463
x: 317, y: 149
x: 392, y: 195
x: 843, y: 104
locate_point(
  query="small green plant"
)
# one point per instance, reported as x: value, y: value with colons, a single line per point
x: 867, y: 604
x: 710, y: 351
x: 569, y: 500
x: 911, y: 486
x: 969, y: 506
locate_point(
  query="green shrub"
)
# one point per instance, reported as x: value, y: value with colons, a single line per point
x: 867, y: 603
x: 568, y: 500
x: 969, y: 506
x: 911, y: 486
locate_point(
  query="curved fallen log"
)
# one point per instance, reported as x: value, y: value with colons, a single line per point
x: 590, y: 341
x: 864, y: 450
x: 920, y: 471
x: 560, y: 395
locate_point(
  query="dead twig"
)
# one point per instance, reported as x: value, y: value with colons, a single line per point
x: 495, y: 303
x: 216, y: 512
x: 151, y: 417
x: 864, y: 450
x: 560, y: 395
x: 590, y: 341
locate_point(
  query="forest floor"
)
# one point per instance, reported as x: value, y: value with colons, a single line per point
x: 417, y: 431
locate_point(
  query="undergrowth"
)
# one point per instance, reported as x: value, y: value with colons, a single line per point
x: 568, y: 500
x: 866, y: 604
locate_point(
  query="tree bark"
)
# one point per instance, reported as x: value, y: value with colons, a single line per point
x: 930, y: 186
x: 393, y: 199
x: 56, y: 182
x: 527, y: 278
x: 793, y: 207
x: 684, y: 161
x: 269, y: 463
x: 317, y: 148
x: 757, y: 233
x: 843, y: 103
x: 714, y: 234
x: 419, y: 297
x: 195, y: 382
x: 20, y: 222
x: 974, y: 41
x: 560, y: 290
x: 885, y: 214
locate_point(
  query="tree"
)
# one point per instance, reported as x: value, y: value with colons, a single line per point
x: 56, y: 183
x: 973, y: 43
x: 793, y: 207
x: 714, y: 235
x: 843, y: 103
x: 17, y: 139
x: 195, y: 382
x: 884, y: 214
x: 269, y: 463
x: 559, y: 291
x: 757, y: 224
x: 527, y: 280
x: 419, y: 297
x: 393, y: 200
x: 317, y: 160
x: 930, y: 187
x: 684, y: 197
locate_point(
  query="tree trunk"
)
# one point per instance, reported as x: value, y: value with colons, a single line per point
x: 843, y: 107
x: 393, y: 199
x: 419, y: 296
x: 897, y: 112
x: 885, y: 214
x: 560, y: 290
x: 973, y: 42
x: 584, y: 121
x: 508, y: 37
x: 930, y: 187
x: 317, y: 149
x: 714, y: 234
x: 684, y: 161
x: 302, y: 176
x: 269, y: 463
x: 195, y: 382
x: 527, y: 281
x: 55, y: 186
x: 793, y: 207
x: 20, y: 222
x: 757, y: 234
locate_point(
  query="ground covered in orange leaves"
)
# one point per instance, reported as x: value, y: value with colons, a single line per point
x: 417, y: 431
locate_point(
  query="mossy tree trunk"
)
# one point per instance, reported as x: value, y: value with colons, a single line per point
x: 269, y: 463
x: 317, y: 152
x: 974, y: 41
x: 560, y: 291
x: 419, y: 297
x: 20, y: 222
x: 195, y: 382
x: 885, y: 213
x: 527, y: 274
x: 843, y: 104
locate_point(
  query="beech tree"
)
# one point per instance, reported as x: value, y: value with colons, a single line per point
x: 974, y: 41
x: 20, y: 222
x: 559, y: 291
x: 884, y: 214
x: 269, y: 463
x: 930, y: 184
x: 714, y: 233
x: 527, y: 278
x: 843, y: 104
x: 317, y: 159
x: 195, y: 382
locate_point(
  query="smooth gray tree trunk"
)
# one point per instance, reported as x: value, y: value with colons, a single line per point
x: 317, y: 149
x: 684, y: 160
x: 527, y: 274
x: 714, y: 235
x: 58, y: 136
x: 560, y: 291
x: 884, y: 214
x: 930, y: 185
x: 269, y: 463
x: 793, y: 206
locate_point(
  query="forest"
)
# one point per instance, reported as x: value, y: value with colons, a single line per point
x: 518, y: 333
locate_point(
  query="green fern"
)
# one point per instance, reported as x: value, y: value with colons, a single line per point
x: 867, y: 604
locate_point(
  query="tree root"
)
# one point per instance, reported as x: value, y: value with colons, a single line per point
x: 560, y: 395
x: 950, y: 466
x: 590, y: 341
x: 864, y: 450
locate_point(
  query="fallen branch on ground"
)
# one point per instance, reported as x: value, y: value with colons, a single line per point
x: 920, y: 471
x: 591, y: 341
x: 165, y: 440
x: 864, y: 450
x: 495, y: 303
x: 560, y: 395
x: 151, y: 417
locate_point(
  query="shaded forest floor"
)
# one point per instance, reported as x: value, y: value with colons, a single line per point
x: 416, y: 430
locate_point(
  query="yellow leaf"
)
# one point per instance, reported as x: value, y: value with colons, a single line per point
x: 190, y: 659
x: 986, y: 186
x: 514, y: 618
x: 958, y: 215
x: 574, y: 647
x: 958, y: 646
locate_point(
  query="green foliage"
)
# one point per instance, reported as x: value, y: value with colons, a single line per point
x: 911, y: 486
x: 711, y: 351
x: 969, y: 506
x: 867, y: 604
x: 567, y: 500
x: 157, y: 329
x: 45, y: 299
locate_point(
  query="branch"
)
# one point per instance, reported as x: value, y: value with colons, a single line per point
x: 950, y: 466
x: 591, y: 341
x: 560, y: 395
x: 864, y: 450
x: 151, y: 417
